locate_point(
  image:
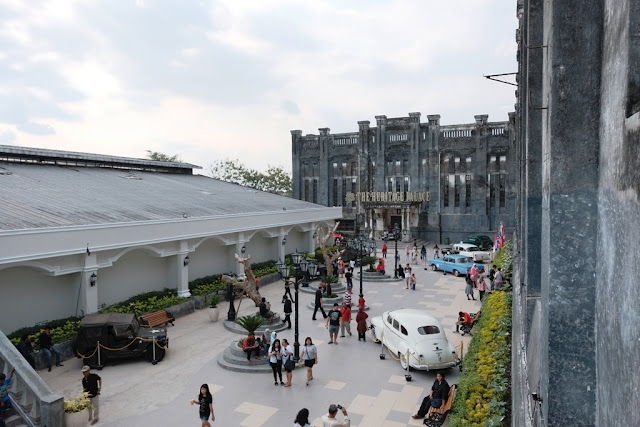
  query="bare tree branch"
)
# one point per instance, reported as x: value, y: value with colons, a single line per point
x: 331, y: 255
x: 249, y: 285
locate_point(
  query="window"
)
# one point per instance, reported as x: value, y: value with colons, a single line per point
x: 445, y: 192
x: 405, y: 167
x: 389, y: 168
x: 469, y: 165
x: 345, y: 170
x: 492, y: 193
x: 403, y: 330
x: 306, y: 190
x: 428, y: 330
x: 398, y: 184
x: 406, y: 184
x: 456, y: 193
x: 457, y: 164
x: 390, y: 184
x: 502, y: 191
x: 335, y: 191
x: 353, y: 190
x: 492, y: 163
x: 389, y: 319
x: 503, y: 162
x: 344, y: 189
x: 315, y: 191
x: 467, y: 198
x: 396, y: 326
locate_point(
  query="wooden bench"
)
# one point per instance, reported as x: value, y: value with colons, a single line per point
x: 157, y: 318
x: 436, y: 416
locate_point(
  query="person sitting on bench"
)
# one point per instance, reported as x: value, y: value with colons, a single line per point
x: 439, y: 394
x: 462, y: 318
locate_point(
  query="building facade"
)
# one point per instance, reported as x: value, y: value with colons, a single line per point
x: 438, y: 182
x: 81, y: 231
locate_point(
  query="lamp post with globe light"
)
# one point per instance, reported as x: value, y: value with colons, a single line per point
x: 301, y: 268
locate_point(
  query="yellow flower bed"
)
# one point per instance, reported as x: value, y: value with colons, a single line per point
x: 483, y: 390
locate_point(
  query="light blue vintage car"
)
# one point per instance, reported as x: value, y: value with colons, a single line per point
x: 456, y: 264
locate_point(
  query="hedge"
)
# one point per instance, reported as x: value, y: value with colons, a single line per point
x: 504, y: 260
x: 483, y: 391
x: 61, y: 330
x: 147, y: 302
x: 212, y: 284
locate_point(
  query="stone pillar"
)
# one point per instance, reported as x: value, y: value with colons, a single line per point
x: 381, y: 163
x: 415, y: 159
x: 570, y: 173
x: 297, y: 175
x: 311, y: 245
x: 182, y: 271
x: 325, y: 178
x: 88, y: 293
x: 364, y: 177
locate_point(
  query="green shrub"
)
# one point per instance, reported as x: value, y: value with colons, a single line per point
x: 251, y: 323
x: 214, y: 300
x: 65, y: 330
x: 504, y: 260
x: 482, y: 395
x: 147, y: 302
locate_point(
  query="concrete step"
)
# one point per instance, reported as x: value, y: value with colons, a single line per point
x: 234, y: 359
x: 14, y: 420
x: 336, y: 288
x: 375, y: 277
x: 277, y: 326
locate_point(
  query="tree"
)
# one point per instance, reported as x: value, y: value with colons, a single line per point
x: 274, y: 180
x: 329, y: 254
x: 161, y: 157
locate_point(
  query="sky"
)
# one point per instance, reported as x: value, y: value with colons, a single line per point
x: 229, y: 79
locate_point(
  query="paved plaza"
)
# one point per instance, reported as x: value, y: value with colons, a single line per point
x: 374, y: 391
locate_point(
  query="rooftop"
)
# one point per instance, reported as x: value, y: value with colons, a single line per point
x: 52, y: 193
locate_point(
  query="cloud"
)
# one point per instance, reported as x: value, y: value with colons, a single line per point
x: 36, y: 128
x: 7, y: 137
x: 290, y: 107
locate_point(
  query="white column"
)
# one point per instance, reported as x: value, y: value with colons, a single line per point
x: 281, y: 248
x: 182, y: 271
x: 312, y: 242
x: 89, y: 294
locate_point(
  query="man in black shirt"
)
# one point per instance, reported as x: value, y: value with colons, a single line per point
x: 25, y: 348
x: 92, y: 383
x: 287, y: 310
x: 318, y: 305
x: 349, y: 276
x: 439, y: 394
x: 46, y: 345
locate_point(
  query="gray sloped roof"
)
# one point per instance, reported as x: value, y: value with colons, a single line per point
x: 41, y: 196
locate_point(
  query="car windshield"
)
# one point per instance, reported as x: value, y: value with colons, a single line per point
x: 428, y: 330
x: 473, y: 249
x: 464, y: 260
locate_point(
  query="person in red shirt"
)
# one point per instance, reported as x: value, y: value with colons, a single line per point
x: 462, y: 318
x: 345, y: 319
x: 384, y: 250
x: 361, y: 321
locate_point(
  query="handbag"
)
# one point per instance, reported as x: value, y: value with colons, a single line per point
x: 289, y: 365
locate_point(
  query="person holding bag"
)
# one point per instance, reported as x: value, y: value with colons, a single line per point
x: 275, y: 360
x: 309, y: 356
x: 287, y: 359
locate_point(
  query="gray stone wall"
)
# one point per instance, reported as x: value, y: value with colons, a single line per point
x: 576, y: 346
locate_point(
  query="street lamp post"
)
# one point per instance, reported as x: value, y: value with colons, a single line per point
x: 303, y: 266
x: 396, y: 230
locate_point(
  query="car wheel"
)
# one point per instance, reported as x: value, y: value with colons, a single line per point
x: 433, y: 267
x: 456, y: 273
x: 374, y: 337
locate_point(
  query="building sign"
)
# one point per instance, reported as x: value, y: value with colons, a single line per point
x: 392, y: 196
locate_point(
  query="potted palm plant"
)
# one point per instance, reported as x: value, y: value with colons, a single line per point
x: 76, y: 410
x: 214, y: 311
x: 327, y: 280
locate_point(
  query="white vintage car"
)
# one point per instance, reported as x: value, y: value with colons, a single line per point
x: 415, y: 338
x: 472, y: 251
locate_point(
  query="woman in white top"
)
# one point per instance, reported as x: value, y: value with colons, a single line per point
x: 287, y: 354
x: 309, y: 355
x: 275, y: 360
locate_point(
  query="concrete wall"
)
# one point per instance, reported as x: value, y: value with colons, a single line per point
x: 29, y: 296
x: 617, y: 312
x: 210, y: 258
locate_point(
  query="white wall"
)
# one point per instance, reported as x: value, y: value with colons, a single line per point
x: 211, y: 257
x: 134, y: 273
x: 296, y: 240
x: 29, y: 297
x: 262, y: 248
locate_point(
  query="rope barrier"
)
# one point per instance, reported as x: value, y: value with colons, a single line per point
x: 121, y: 348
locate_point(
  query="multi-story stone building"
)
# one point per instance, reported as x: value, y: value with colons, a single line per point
x: 440, y: 182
